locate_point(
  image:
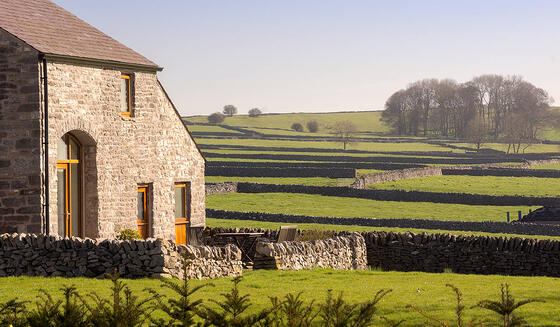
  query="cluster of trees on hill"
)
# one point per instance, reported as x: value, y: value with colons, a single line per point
x: 488, y: 106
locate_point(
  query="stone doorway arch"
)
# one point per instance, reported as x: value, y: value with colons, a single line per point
x: 77, y: 194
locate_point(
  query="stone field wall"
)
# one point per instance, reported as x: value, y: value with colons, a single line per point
x: 328, y: 165
x: 221, y: 188
x: 395, y: 175
x: 463, y: 254
x: 280, y: 172
x: 466, y: 226
x: 39, y: 255
x: 340, y: 252
x: 403, y: 196
x: 506, y: 172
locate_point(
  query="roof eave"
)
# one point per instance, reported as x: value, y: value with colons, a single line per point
x: 103, y: 62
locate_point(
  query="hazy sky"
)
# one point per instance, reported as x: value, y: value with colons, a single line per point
x: 307, y: 55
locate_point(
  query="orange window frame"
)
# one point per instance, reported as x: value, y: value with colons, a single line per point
x: 144, y: 223
x: 187, y: 204
x: 129, y: 95
x: 65, y: 164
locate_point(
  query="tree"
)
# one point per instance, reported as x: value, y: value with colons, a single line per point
x: 344, y: 131
x: 255, y: 112
x: 477, y: 132
x: 313, y: 126
x: 216, y: 118
x: 297, y: 127
x: 229, y: 110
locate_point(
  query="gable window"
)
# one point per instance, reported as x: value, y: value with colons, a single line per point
x: 182, y: 211
x: 126, y: 95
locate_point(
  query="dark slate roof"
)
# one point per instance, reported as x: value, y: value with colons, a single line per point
x: 52, y: 30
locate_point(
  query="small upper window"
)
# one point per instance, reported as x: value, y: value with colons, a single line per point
x: 126, y: 95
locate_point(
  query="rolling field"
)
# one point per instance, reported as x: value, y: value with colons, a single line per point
x: 232, y: 223
x: 491, y: 185
x: 330, y: 206
x: 365, y: 121
x: 425, y: 290
x: 312, y: 181
x: 278, y: 143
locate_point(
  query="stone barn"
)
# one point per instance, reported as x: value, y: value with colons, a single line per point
x: 90, y: 142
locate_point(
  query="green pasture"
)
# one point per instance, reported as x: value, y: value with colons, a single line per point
x: 491, y: 185
x: 233, y: 223
x: 311, y: 181
x: 331, y: 206
x: 365, y: 146
x: 320, y: 155
x: 427, y: 291
x: 213, y: 129
x: 366, y: 121
x: 555, y: 166
x: 535, y: 148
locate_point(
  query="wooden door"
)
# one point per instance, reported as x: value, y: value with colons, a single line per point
x: 143, y: 218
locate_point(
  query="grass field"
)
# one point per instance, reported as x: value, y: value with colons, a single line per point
x: 313, y: 181
x: 547, y: 166
x: 367, y: 121
x: 491, y: 185
x: 213, y: 129
x: 427, y: 291
x: 366, y: 146
x: 330, y: 206
x: 535, y: 148
x: 232, y: 223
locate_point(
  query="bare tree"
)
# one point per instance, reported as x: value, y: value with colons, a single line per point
x: 229, y: 110
x: 344, y: 131
x: 477, y: 132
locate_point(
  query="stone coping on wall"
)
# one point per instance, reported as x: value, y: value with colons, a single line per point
x: 41, y: 255
x: 466, y: 226
x: 346, y: 252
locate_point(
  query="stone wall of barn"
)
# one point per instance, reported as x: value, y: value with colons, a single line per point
x: 150, y: 147
x: 20, y: 137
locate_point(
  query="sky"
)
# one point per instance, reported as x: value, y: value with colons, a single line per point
x: 324, y: 55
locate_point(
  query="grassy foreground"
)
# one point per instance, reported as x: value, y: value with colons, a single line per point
x: 427, y: 291
x: 491, y: 185
x: 331, y: 206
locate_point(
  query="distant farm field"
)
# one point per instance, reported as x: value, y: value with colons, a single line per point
x: 313, y: 181
x: 491, y: 185
x: 330, y: 206
x: 364, y: 121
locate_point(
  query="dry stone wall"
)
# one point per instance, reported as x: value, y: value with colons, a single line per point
x: 467, y: 226
x: 463, y: 254
x: 340, y: 252
x: 395, y: 175
x: 280, y: 172
x: 402, y: 196
x: 40, y: 255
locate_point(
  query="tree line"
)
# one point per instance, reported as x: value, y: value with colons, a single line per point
x: 486, y: 107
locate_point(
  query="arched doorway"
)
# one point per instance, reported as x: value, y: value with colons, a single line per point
x: 70, y: 186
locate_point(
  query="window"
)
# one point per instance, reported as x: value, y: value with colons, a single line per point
x: 126, y: 95
x: 143, y: 205
x: 182, y: 200
x: 182, y: 211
